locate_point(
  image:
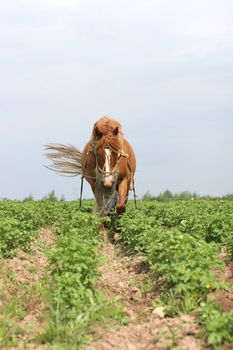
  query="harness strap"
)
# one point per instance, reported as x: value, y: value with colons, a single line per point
x: 114, y: 170
x: 135, y: 196
x: 81, y: 192
x: 81, y: 189
x: 132, y: 179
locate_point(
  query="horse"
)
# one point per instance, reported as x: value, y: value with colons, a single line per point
x: 107, y: 163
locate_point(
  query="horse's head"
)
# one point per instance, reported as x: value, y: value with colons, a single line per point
x: 107, y: 142
x: 106, y: 166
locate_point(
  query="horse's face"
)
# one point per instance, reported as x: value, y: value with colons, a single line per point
x: 107, y: 166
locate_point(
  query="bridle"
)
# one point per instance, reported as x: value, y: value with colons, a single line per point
x: 101, y: 174
x: 114, y: 172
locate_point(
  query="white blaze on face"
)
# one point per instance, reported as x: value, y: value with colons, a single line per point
x: 107, y: 160
x: 108, y: 180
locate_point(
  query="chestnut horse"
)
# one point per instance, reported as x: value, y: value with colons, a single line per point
x: 107, y: 163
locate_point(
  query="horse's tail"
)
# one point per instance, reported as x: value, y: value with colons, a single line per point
x: 66, y: 160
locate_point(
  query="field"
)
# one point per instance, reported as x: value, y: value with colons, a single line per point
x: 161, y: 279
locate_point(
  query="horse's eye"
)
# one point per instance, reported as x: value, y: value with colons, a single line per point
x: 115, y: 131
x: 98, y: 133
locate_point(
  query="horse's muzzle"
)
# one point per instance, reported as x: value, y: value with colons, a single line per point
x: 108, y: 182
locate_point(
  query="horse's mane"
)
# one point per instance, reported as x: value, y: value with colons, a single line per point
x: 111, y: 134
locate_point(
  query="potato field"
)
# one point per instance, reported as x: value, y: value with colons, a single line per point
x: 160, y: 277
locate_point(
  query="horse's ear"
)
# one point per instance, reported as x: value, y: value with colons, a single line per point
x: 115, y: 131
x: 98, y: 133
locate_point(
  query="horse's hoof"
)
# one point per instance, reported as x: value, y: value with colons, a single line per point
x: 117, y: 237
x: 102, y: 228
x: 120, y: 210
x: 105, y: 226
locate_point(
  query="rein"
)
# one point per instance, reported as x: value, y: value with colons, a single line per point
x: 104, y: 174
x: 101, y: 171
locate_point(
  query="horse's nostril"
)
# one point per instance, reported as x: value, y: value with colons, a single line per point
x: 107, y: 184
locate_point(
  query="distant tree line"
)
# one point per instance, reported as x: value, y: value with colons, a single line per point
x: 163, y: 196
x: 51, y: 196
x: 168, y: 195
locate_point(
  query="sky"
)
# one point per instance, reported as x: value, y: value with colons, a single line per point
x: 162, y: 68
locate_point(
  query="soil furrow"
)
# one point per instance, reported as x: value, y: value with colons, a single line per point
x: 147, y: 327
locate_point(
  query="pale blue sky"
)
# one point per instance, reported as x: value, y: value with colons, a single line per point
x: 163, y: 68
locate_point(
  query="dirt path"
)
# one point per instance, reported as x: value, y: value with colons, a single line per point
x: 225, y: 296
x: 147, y: 328
x: 26, y: 271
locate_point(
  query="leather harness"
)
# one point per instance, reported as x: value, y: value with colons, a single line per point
x: 104, y: 174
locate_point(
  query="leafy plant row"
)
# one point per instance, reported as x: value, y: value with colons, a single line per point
x: 75, y: 303
x: 20, y: 221
x: 74, y: 259
x: 69, y: 291
x: 181, y: 242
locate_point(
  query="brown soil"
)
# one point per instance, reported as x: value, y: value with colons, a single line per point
x: 225, y: 296
x: 147, y: 328
x: 31, y: 267
x: 28, y: 269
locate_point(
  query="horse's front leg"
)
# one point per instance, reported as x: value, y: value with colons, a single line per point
x: 123, y: 190
x: 99, y: 200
